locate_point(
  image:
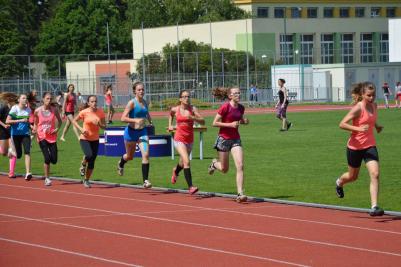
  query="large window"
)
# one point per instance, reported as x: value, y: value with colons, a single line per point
x: 279, y: 12
x: 327, y: 48
x: 296, y: 12
x: 366, y: 47
x: 384, y: 47
x: 306, y: 49
x: 347, y: 48
x: 390, y: 12
x: 359, y: 12
x: 344, y: 12
x: 328, y: 12
x: 312, y: 12
x: 286, y: 48
x: 375, y: 12
x: 263, y: 12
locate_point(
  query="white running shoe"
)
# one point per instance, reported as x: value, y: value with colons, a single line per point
x: 87, y: 184
x: 147, y: 184
x: 120, y: 170
x: 212, y: 168
x: 48, y: 182
x: 82, y: 170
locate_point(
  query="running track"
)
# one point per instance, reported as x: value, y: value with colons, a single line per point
x: 68, y: 225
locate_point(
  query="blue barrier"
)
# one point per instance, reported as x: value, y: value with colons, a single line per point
x: 159, y: 145
x: 101, y: 145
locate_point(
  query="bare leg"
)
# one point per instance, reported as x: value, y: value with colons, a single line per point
x: 46, y: 168
x: 222, y: 164
x: 238, y: 157
x: 373, y: 169
x: 28, y: 163
x: 349, y: 176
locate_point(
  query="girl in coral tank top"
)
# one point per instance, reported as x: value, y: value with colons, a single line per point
x: 185, y: 116
x: 362, y: 144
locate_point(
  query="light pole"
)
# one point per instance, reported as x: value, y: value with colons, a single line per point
x: 285, y: 37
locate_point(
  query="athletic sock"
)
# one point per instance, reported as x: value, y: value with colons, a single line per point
x: 188, y: 176
x: 338, y: 182
x: 178, y: 168
x: 13, y: 161
x: 122, y: 162
x: 145, y: 171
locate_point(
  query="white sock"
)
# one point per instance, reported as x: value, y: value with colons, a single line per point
x: 338, y: 182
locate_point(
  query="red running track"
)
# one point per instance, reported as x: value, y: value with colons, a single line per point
x: 69, y: 225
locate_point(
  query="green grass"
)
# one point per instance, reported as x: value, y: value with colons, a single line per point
x: 299, y: 165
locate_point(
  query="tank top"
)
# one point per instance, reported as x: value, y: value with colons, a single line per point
x: 46, y: 125
x: 108, y: 99
x: 70, y: 103
x: 281, y: 97
x: 363, y: 140
x: 138, y: 111
x: 185, y: 127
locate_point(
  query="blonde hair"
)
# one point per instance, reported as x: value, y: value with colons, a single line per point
x: 357, y: 90
x: 9, y: 98
x: 222, y: 93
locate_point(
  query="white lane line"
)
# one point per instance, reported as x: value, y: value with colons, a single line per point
x: 67, y: 252
x: 200, y: 208
x: 215, y: 227
x: 154, y: 239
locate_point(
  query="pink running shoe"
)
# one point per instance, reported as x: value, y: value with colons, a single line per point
x: 174, y: 176
x: 193, y: 189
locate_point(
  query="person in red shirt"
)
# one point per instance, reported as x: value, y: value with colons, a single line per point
x: 108, y: 100
x: 185, y: 115
x: 362, y: 144
x: 93, y: 119
x: 229, y: 117
x: 68, y: 110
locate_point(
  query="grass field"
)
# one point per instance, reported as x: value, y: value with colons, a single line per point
x: 299, y: 165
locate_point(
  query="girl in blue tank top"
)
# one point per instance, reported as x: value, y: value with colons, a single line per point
x: 135, y: 114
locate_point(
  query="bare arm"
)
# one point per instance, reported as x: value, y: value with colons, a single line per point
x: 217, y: 122
x: 35, y: 121
x: 102, y: 123
x: 75, y: 123
x: 59, y: 120
x: 171, y: 118
x: 352, y: 114
x: 125, y: 117
x: 198, y: 117
x: 10, y: 120
x: 64, y: 103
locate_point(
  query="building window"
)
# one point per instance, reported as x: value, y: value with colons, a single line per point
x: 390, y: 12
x: 327, y: 48
x: 286, y: 48
x: 263, y: 12
x: 347, y: 48
x: 359, y: 12
x: 312, y: 12
x: 384, y: 47
x: 344, y: 12
x: 306, y: 49
x: 279, y: 12
x: 328, y: 12
x: 375, y: 12
x: 296, y: 12
x: 366, y: 47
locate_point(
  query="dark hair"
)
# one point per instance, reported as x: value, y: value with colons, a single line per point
x: 281, y: 80
x: 69, y: 86
x: 86, y: 104
x: 135, y: 84
x: 222, y: 93
x: 107, y: 87
x: 398, y: 83
x: 52, y: 103
x: 183, y: 91
x: 31, y: 100
x: 358, y: 89
x: 9, y: 98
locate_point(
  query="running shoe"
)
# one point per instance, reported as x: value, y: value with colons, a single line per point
x: 120, y: 170
x: 28, y: 176
x: 212, y: 168
x: 87, y: 184
x: 376, y: 211
x: 339, y: 191
x: 48, y: 182
x: 241, y: 198
x: 147, y: 184
x: 289, y: 125
x: 283, y: 130
x: 12, y: 176
x: 193, y: 189
x: 82, y: 170
x: 174, y: 176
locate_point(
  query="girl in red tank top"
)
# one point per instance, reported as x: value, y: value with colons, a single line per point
x: 68, y: 110
x: 185, y: 116
x: 45, y: 126
x: 362, y: 144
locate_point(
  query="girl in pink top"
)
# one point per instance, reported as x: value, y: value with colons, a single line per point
x: 185, y: 115
x: 362, y: 143
x: 68, y: 110
x: 229, y: 116
x: 45, y: 126
x: 108, y: 99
